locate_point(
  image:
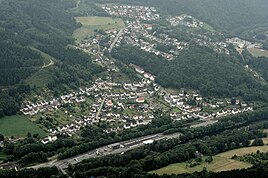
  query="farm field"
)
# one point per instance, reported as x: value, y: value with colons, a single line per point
x: 89, y: 24
x: 221, y: 162
x: 18, y: 126
x: 256, y: 52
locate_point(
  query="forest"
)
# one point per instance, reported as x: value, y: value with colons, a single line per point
x: 198, y: 68
x: 48, y: 27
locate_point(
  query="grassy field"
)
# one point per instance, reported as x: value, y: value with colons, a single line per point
x: 19, y: 126
x: 218, y: 164
x: 42, y: 77
x: 221, y: 162
x: 89, y: 24
x: 256, y: 52
x: 243, y: 151
x: 208, y: 27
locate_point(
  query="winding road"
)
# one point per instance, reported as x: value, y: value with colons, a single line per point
x: 77, y: 5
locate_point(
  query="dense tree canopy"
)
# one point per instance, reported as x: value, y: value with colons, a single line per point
x: 199, y: 68
x: 47, y: 26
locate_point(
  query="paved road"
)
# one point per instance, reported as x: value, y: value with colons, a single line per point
x: 116, y: 39
x: 101, y: 105
x: 106, y: 150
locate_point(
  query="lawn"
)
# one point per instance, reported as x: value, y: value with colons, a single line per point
x: 19, y: 126
x: 256, y: 52
x: 221, y: 162
x: 176, y: 110
x: 130, y: 112
x: 89, y: 24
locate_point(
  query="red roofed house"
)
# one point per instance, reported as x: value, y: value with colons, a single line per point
x: 140, y: 100
x: 109, y: 103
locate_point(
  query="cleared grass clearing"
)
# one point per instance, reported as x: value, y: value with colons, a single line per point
x: 243, y: 151
x: 94, y: 20
x: 18, y: 126
x: 218, y: 164
x: 91, y: 23
x: 256, y: 52
x: 42, y: 77
x: 221, y: 162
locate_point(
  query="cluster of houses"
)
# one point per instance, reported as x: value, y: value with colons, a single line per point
x: 87, y: 45
x: 31, y: 109
x: 185, y: 20
x: 196, y: 109
x: 148, y: 78
x: 219, y: 47
x: 108, y: 108
x: 113, y: 100
x: 131, y: 11
x: 242, y: 44
x: 201, y: 40
x: 135, y: 30
x: 189, y: 111
x: 254, y: 73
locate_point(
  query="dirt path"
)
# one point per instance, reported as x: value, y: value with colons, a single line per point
x: 77, y: 5
x: 49, y: 64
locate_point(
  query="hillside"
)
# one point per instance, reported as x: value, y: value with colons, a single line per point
x: 29, y: 23
x: 225, y: 15
x: 199, y: 68
x: 46, y: 26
